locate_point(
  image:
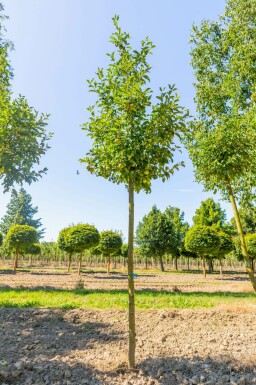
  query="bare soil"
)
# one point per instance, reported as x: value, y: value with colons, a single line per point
x: 88, y: 347
x: 49, y: 278
x: 76, y: 347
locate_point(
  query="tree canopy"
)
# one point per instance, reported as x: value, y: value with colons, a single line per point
x: 210, y: 213
x: 21, y: 212
x: 23, y: 137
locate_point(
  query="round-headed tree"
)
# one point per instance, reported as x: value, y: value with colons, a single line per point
x: 225, y: 247
x: 133, y: 140
x: 32, y: 250
x: 202, y: 240
x: 110, y: 242
x: 82, y: 237
x: 64, y: 245
x: 20, y: 237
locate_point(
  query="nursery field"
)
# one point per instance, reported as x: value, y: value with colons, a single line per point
x: 67, y: 330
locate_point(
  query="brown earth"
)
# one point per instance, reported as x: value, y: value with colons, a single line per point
x: 79, y: 347
x: 85, y: 347
x: 49, y: 278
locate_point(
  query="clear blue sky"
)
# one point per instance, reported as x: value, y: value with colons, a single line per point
x: 58, y: 45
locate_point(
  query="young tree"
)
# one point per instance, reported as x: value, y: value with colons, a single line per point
x: 155, y: 235
x: 222, y: 139
x: 21, y: 212
x: 225, y: 247
x: 32, y: 250
x: 82, y: 237
x: 64, y: 245
x: 247, y: 215
x: 23, y: 138
x: 202, y: 240
x: 110, y: 242
x: 133, y: 140
x: 19, y: 237
x: 176, y: 216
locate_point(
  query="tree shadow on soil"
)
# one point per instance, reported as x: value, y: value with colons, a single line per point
x: 178, y: 370
x: 43, y: 337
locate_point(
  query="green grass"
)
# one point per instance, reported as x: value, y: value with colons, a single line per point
x: 118, y: 299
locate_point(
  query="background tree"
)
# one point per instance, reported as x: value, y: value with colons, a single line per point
x: 82, y: 237
x: 247, y: 215
x: 110, y: 242
x: 176, y: 216
x: 225, y: 247
x: 20, y: 237
x: 250, y: 240
x: 133, y: 140
x: 155, y: 235
x: 21, y: 212
x: 222, y: 138
x: 202, y: 240
x: 23, y: 138
x: 32, y: 250
x: 210, y: 213
x: 64, y: 245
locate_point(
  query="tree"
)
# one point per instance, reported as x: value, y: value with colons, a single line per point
x: 133, y: 140
x: 176, y: 216
x: 20, y: 237
x: 23, y: 138
x: 202, y: 240
x: 82, y: 237
x: 155, y: 235
x: 210, y: 213
x: 31, y: 250
x: 222, y: 138
x: 250, y: 240
x: 247, y: 215
x: 225, y: 247
x: 110, y: 242
x: 21, y: 212
x: 64, y: 245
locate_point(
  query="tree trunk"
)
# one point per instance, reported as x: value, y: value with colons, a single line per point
x: 69, y: 262
x: 131, y: 314
x: 204, y: 268
x: 221, y: 267
x: 210, y: 266
x: 80, y: 263
x: 15, y: 262
x: 31, y: 259
x: 241, y: 235
x: 198, y: 265
x: 176, y: 262
x: 188, y: 263
x: 124, y: 261
x: 146, y: 263
x: 161, y: 263
x: 108, y: 264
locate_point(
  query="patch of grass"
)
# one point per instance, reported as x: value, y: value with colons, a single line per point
x: 118, y: 299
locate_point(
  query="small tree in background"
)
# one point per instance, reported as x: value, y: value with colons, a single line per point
x: 134, y: 141
x: 21, y: 212
x: 155, y: 235
x: 202, y: 240
x: 110, y: 242
x: 225, y: 247
x: 82, y: 237
x: 64, y: 245
x: 19, y: 237
x: 32, y: 250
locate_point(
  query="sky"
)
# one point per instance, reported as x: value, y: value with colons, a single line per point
x: 59, y: 44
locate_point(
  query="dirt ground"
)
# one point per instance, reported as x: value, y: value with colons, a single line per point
x: 89, y: 347
x: 49, y: 278
x: 79, y: 347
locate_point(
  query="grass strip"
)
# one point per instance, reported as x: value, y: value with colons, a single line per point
x: 118, y: 299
